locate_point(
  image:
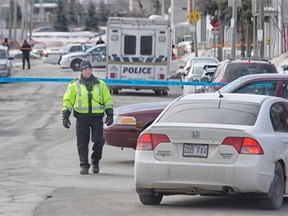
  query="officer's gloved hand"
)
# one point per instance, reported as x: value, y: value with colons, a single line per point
x: 65, y: 119
x: 66, y: 123
x: 109, y: 119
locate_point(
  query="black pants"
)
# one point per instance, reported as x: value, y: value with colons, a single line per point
x: 86, y: 126
x: 26, y: 58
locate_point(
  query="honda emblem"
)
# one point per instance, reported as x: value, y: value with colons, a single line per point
x: 195, y: 134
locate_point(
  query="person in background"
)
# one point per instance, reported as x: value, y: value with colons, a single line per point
x: 89, y: 98
x: 26, y: 49
x: 5, y: 43
x: 100, y: 41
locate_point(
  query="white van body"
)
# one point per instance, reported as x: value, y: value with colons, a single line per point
x: 138, y: 49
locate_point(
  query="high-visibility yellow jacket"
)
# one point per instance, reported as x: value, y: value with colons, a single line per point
x: 78, y: 98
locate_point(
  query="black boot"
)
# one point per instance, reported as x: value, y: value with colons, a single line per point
x: 95, y: 167
x: 84, y: 171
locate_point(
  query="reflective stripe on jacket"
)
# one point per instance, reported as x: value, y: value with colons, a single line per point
x: 77, y: 96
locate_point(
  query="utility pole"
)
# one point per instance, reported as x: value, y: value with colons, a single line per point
x: 31, y: 17
x: 162, y: 8
x: 234, y: 35
x: 23, y: 21
x: 10, y: 18
x: 261, y: 27
x: 1, y: 26
x: 15, y: 19
x: 41, y: 12
x: 195, y: 31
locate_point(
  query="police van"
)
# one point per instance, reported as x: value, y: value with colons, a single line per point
x: 138, y: 49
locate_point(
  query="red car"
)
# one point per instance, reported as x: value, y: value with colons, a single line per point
x: 231, y: 69
x: 130, y: 120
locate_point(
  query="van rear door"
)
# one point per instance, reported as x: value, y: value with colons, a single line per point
x: 138, y: 54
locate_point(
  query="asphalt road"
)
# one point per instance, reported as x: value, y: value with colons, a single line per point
x: 39, y: 171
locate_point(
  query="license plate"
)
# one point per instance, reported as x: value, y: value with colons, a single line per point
x: 195, y: 150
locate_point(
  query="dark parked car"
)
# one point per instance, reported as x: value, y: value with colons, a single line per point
x: 263, y: 84
x: 132, y: 119
x: 129, y: 121
x: 231, y: 69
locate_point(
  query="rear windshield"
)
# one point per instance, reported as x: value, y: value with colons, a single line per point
x: 3, y: 54
x: 198, y: 70
x: 208, y: 60
x: 214, y: 112
x: 234, y: 71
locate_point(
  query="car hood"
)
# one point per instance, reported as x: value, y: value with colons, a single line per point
x: 140, y: 107
x: 3, y: 61
x: 76, y: 54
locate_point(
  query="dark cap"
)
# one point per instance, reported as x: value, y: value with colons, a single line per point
x: 85, y: 64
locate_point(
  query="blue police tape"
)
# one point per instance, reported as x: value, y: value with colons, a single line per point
x: 112, y: 81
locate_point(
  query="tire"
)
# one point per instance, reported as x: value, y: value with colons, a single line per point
x: 115, y: 92
x: 276, y: 190
x: 157, y: 92
x: 75, y: 64
x: 150, y: 199
x: 164, y: 93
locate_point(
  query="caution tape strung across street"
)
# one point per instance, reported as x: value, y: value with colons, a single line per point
x: 112, y: 81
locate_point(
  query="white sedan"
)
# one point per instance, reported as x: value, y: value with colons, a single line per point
x: 216, y: 144
x: 194, y: 75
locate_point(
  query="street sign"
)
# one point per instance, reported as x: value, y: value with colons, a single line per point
x: 260, y: 35
x: 269, y: 40
x: 215, y: 22
x: 215, y: 31
x: 194, y: 16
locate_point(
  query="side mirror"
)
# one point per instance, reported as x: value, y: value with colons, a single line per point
x: 204, y: 79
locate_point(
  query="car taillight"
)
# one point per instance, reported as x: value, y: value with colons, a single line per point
x: 244, y: 145
x: 150, y: 141
x: 46, y: 55
x: 113, y: 75
x: 161, y: 76
x: 216, y: 88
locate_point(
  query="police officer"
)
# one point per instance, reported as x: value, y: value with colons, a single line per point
x: 26, y: 49
x: 5, y: 43
x: 89, y: 98
x: 100, y: 41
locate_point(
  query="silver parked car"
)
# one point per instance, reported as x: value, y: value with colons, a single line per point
x: 6, y: 66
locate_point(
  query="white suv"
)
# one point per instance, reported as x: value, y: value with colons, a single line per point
x: 5, y: 62
x: 96, y: 55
